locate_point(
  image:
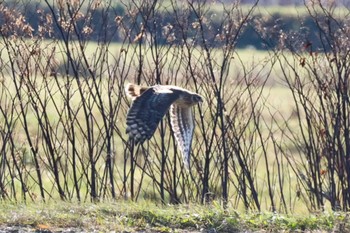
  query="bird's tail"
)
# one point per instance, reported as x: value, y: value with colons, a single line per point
x: 134, y: 91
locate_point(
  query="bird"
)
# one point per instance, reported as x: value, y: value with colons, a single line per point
x: 150, y: 104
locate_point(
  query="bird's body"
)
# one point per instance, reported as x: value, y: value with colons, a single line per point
x: 149, y: 106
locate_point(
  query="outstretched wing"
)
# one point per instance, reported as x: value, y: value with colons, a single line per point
x: 183, y: 126
x: 146, y: 112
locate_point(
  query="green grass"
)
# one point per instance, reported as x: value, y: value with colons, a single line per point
x: 144, y: 216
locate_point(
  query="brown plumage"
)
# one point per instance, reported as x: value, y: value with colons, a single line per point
x: 149, y: 106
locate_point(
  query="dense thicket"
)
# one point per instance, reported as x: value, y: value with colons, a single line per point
x: 167, y: 16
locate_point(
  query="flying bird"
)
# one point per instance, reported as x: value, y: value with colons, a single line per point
x: 149, y: 106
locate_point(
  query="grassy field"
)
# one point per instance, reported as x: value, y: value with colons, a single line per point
x: 124, y: 216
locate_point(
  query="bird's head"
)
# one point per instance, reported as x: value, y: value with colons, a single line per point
x: 196, y: 98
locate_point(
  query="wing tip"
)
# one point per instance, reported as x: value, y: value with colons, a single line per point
x: 187, y: 163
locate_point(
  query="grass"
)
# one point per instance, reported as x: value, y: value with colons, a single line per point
x: 125, y: 216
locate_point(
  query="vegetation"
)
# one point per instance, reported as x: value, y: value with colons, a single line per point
x: 144, y: 216
x: 290, y: 18
x: 272, y: 134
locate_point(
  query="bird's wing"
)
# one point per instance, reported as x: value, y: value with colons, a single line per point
x: 146, y: 112
x: 183, y: 125
x: 133, y: 91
